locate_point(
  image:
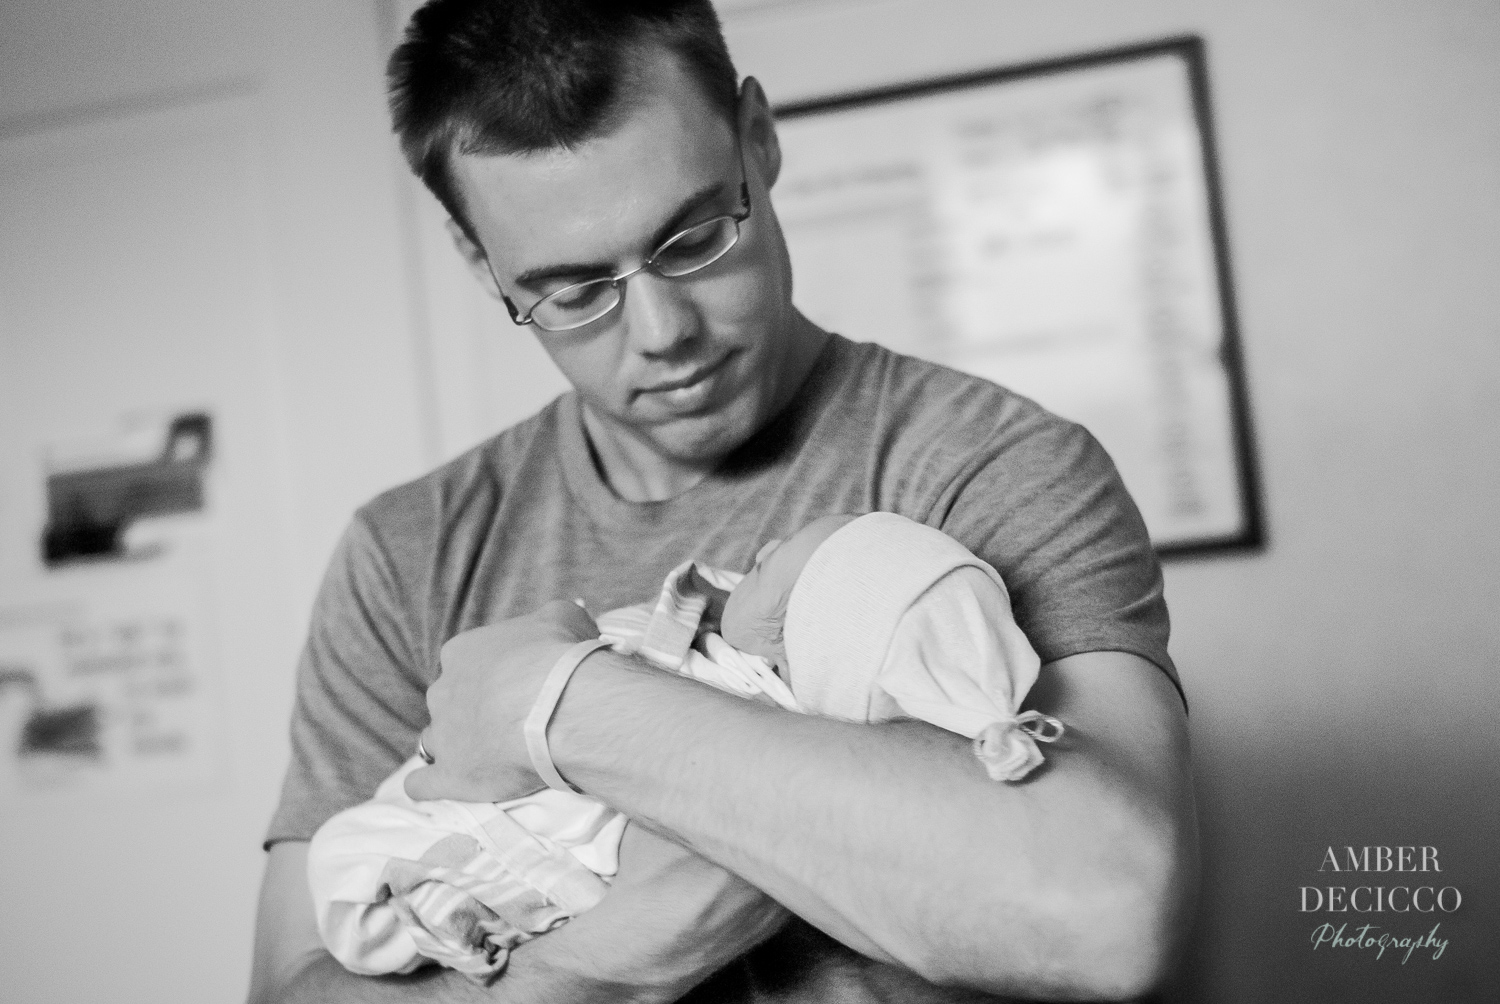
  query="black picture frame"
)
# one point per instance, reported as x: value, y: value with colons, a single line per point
x: 1250, y: 533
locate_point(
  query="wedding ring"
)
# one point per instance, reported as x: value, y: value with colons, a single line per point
x: 427, y: 757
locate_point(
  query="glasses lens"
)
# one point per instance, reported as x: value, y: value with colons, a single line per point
x: 575, y: 306
x: 695, y: 248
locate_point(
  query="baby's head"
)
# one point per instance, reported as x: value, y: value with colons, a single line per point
x: 755, y: 617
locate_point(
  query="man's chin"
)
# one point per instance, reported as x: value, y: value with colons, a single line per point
x: 701, y: 441
x: 696, y: 442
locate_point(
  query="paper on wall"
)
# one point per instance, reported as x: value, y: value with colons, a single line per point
x: 105, y: 682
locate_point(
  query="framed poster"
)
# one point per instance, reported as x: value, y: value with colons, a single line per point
x: 1055, y: 228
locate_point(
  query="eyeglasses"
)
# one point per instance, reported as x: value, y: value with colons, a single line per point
x: 684, y: 253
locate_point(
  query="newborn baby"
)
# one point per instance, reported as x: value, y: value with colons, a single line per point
x: 863, y: 618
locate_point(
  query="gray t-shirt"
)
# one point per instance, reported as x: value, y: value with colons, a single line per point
x: 525, y: 518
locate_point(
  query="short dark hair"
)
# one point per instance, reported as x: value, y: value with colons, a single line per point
x: 516, y: 76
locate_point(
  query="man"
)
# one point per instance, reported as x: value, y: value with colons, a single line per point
x: 609, y: 181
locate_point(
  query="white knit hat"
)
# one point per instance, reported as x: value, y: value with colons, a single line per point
x: 844, y: 613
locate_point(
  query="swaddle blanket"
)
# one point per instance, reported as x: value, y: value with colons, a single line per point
x: 889, y: 619
x: 397, y: 883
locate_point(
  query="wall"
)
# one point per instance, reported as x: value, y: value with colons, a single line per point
x: 197, y: 207
x: 1343, y: 682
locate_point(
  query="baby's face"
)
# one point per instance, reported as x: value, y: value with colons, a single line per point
x: 756, y: 611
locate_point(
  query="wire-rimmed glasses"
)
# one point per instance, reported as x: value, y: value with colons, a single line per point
x: 684, y: 253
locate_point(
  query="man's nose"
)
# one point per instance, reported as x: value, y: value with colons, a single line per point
x: 659, y: 314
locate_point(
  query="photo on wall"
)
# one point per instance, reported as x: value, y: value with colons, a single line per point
x: 1055, y: 228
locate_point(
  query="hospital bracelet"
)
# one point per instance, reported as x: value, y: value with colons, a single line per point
x: 540, y: 717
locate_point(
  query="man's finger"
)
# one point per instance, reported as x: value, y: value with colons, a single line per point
x: 570, y: 615
x: 427, y: 783
x: 419, y: 783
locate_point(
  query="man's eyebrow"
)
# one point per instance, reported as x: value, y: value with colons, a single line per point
x: 579, y: 271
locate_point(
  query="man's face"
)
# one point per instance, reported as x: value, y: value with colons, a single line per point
x: 688, y: 367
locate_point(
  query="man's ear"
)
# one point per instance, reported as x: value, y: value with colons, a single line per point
x: 758, y: 129
x: 474, y: 257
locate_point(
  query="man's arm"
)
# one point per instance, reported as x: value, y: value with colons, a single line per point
x: 892, y: 839
x: 670, y: 920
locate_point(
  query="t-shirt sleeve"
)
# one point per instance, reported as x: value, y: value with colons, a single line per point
x: 1048, y: 510
x: 361, y: 690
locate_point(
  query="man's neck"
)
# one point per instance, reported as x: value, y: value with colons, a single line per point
x: 635, y: 468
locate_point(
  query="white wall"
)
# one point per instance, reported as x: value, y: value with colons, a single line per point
x: 1344, y: 682
x: 200, y: 208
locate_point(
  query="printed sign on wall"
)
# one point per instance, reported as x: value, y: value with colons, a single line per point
x: 107, y: 686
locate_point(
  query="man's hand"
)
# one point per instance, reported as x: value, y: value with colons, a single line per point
x: 489, y: 681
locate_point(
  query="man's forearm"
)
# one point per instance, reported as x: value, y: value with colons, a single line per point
x: 891, y: 838
x: 546, y: 977
x: 568, y: 965
x: 322, y: 979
